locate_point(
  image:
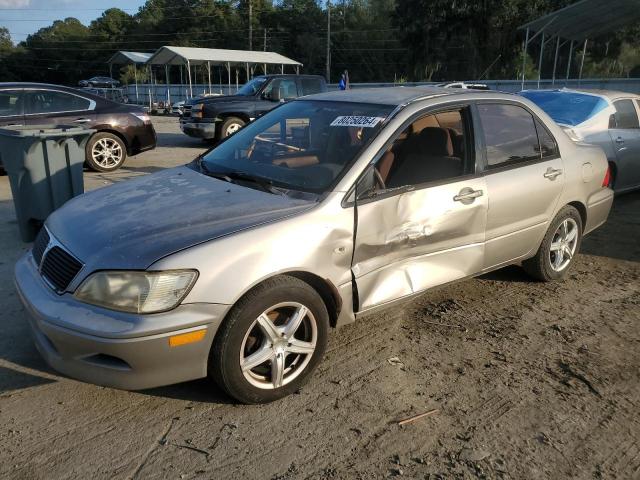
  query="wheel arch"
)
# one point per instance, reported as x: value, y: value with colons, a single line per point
x: 322, y: 286
x: 241, y: 115
x: 582, y: 210
x: 118, y: 134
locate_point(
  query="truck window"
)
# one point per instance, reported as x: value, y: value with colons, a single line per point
x: 311, y: 86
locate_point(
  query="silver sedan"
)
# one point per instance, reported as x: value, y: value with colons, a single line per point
x: 317, y: 214
x: 601, y: 117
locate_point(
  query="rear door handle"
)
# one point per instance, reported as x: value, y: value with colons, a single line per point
x: 467, y: 195
x: 619, y: 140
x: 552, y: 173
x: 82, y: 120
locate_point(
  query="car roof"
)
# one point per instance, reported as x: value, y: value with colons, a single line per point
x: 609, y: 94
x: 271, y: 75
x: 33, y: 85
x: 390, y: 95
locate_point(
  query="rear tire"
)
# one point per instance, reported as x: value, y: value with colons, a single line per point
x: 270, y: 342
x: 105, y: 152
x: 559, y: 247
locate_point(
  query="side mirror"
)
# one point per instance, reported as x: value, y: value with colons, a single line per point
x: 613, y: 122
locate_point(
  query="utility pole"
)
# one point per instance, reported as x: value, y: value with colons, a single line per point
x: 250, y: 25
x: 264, y: 45
x: 328, y: 40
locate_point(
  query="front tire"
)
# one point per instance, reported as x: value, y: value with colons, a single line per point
x: 105, y: 152
x: 230, y: 126
x: 270, y: 342
x: 558, y: 248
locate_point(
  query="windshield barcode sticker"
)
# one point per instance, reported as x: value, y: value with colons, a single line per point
x: 356, y: 121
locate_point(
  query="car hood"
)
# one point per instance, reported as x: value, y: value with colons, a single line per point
x: 133, y: 224
x: 219, y: 100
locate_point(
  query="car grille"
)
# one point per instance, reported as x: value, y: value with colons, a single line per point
x: 57, y: 266
x: 40, y: 245
x: 186, y: 111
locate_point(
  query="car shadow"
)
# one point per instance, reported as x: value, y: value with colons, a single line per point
x: 513, y: 274
x: 181, y: 140
x: 618, y: 237
x: 203, y: 390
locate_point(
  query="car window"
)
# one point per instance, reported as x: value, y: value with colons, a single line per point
x: 251, y: 87
x: 548, y: 145
x: 433, y: 148
x: 10, y: 104
x: 301, y: 145
x: 285, y: 87
x: 50, y: 101
x: 626, y: 115
x: 311, y: 86
x: 509, y: 134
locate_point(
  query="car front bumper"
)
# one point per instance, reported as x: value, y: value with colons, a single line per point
x: 114, y: 349
x: 205, y: 130
x: 146, y: 139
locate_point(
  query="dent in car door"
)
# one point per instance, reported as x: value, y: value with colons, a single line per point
x: 524, y: 177
x: 418, y: 239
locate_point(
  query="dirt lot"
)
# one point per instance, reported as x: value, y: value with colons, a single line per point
x: 529, y: 380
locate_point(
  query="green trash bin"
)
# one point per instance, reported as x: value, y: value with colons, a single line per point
x: 44, y: 164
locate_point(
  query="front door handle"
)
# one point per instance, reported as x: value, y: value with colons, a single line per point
x: 467, y: 195
x: 552, y: 173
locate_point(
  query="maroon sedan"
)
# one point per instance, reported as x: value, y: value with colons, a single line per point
x: 121, y: 129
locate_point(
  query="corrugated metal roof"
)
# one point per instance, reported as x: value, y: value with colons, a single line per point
x: 168, y: 55
x: 587, y: 19
x: 124, y: 58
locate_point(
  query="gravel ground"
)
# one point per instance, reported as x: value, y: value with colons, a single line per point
x: 528, y: 380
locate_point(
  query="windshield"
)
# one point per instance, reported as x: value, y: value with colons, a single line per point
x: 251, y: 88
x: 567, y: 108
x: 302, y: 145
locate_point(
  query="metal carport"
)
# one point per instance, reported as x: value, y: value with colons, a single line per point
x: 577, y: 23
x: 129, y: 58
x: 189, y: 56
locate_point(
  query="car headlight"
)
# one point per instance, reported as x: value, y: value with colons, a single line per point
x: 137, y: 291
x: 197, y: 110
x: 142, y: 116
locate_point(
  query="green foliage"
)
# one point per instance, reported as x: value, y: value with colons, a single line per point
x: 375, y: 40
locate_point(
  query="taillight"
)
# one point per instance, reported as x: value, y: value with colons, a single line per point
x: 606, y: 181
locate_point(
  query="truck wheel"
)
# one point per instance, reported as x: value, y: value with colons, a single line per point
x: 105, y: 152
x: 230, y: 126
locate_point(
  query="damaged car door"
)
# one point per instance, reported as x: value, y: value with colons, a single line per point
x: 421, y: 210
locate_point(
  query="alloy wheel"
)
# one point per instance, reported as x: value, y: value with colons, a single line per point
x: 563, y: 245
x: 107, y: 153
x: 278, y: 345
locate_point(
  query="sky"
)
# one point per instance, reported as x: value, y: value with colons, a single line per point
x: 23, y: 17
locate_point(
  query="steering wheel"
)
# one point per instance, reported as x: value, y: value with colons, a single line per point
x: 379, y: 179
